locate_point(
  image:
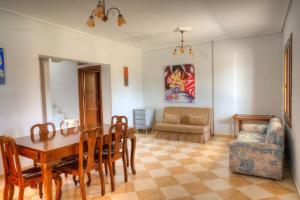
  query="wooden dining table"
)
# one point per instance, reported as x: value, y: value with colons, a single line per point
x: 49, y: 152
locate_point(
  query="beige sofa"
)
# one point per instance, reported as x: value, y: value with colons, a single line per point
x: 185, y: 123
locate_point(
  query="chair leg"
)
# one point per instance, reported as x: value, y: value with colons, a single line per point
x: 88, y: 183
x: 21, y: 192
x: 75, y: 180
x: 106, y: 170
x: 41, y: 190
x: 102, y: 180
x: 112, y: 178
x: 125, y: 167
x: 114, y: 168
x: 82, y: 186
x: 58, y: 185
x: 11, y: 191
x: 6, y: 190
x: 127, y: 157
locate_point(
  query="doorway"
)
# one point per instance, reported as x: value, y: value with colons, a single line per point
x: 72, y: 90
x: 90, y: 96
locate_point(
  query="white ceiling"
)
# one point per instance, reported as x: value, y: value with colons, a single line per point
x: 150, y: 23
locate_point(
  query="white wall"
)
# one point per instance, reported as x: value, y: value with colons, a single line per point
x: 293, y: 136
x: 153, y: 77
x: 247, y: 77
x: 63, y: 79
x: 24, y: 39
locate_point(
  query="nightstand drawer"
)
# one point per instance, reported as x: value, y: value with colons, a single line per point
x: 139, y: 122
x: 139, y: 112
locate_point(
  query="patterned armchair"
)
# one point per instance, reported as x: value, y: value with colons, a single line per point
x: 259, y: 153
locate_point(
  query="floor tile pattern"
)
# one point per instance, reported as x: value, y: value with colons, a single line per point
x: 180, y: 171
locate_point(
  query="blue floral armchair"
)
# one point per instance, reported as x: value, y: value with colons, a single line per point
x: 259, y: 153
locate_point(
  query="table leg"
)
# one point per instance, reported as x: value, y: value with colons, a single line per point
x: 47, y: 180
x: 133, y: 146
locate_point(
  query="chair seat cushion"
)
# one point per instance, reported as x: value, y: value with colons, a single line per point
x: 251, y: 137
x: 182, y: 128
x: 36, y: 172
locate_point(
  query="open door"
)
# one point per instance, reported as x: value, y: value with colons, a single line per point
x: 90, y: 96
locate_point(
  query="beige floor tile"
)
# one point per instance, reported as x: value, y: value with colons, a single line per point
x: 195, y: 167
x: 177, y: 170
x: 221, y: 172
x: 292, y: 196
x: 186, y: 178
x: 170, y: 163
x: 153, y: 194
x: 217, y: 184
x: 255, y: 192
x: 125, y: 196
x: 205, y: 175
x: 174, y: 192
x: 166, y: 181
x: 207, y: 196
x: 196, y: 188
x: 159, y: 172
x: 231, y: 194
x: 153, y: 165
x: 237, y: 181
x: 144, y: 184
x: 275, y: 188
x: 187, y: 161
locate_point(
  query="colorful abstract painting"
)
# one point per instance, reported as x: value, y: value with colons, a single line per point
x: 2, y: 73
x: 180, y: 83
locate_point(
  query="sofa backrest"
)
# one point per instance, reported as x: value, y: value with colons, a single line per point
x: 275, y: 133
x: 184, y: 112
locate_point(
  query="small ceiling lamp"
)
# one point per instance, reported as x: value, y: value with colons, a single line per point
x: 101, y: 13
x: 181, y: 48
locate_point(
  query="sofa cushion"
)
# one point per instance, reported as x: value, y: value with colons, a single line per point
x: 172, y: 118
x: 182, y: 128
x: 254, y: 128
x: 251, y: 137
x: 200, y: 120
x: 275, y: 132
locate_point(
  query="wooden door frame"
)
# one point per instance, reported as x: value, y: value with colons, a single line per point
x: 97, y: 69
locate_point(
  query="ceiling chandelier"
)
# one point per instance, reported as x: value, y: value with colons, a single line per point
x: 181, y: 48
x: 101, y: 12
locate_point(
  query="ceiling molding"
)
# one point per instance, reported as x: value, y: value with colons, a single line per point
x: 286, y: 15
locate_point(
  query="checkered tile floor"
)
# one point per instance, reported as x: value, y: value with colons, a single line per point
x: 181, y: 170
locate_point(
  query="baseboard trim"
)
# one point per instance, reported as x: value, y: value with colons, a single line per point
x: 293, y: 175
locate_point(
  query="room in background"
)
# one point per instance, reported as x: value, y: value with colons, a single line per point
x: 180, y: 83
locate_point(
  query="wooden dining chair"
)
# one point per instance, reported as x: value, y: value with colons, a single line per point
x: 115, y: 150
x: 69, y: 126
x: 43, y: 131
x: 89, y: 140
x: 14, y: 176
x: 120, y: 119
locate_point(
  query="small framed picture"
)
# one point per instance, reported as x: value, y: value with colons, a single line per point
x: 2, y: 68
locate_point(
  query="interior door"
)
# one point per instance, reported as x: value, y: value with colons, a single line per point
x: 90, y: 100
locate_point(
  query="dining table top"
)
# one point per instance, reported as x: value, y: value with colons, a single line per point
x: 60, y: 139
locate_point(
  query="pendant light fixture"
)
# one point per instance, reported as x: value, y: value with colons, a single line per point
x: 182, y: 48
x: 101, y: 12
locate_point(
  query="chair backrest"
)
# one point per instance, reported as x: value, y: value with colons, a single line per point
x: 10, y: 157
x: 119, y: 119
x: 43, y: 130
x: 117, y: 139
x: 69, y: 126
x: 90, y: 140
